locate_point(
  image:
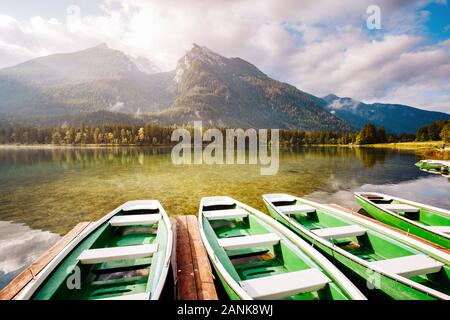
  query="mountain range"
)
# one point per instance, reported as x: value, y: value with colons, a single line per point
x: 103, y: 85
x: 396, y: 118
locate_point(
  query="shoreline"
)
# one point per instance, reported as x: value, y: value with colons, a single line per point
x: 427, y: 148
x: 435, y: 145
x: 84, y: 146
x: 431, y: 145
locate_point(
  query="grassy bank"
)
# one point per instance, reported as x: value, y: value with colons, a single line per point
x: 426, y: 150
x: 408, y: 145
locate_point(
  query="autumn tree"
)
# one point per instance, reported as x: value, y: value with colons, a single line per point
x: 445, y: 133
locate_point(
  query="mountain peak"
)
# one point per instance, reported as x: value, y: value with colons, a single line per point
x: 199, y: 54
x: 330, y: 97
x: 203, y: 54
x: 141, y: 63
x: 101, y: 46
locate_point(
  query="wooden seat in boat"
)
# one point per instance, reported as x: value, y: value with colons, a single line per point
x: 280, y: 198
x: 299, y: 208
x: 399, y: 207
x: 340, y: 232
x: 135, y: 205
x: 132, y: 220
x: 286, y: 284
x: 409, y: 266
x: 93, y: 256
x: 248, y: 242
x: 135, y: 296
x: 443, y: 229
x: 218, y: 201
x: 225, y: 214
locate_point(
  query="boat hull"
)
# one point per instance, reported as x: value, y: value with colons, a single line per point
x: 433, y: 165
x: 403, y: 224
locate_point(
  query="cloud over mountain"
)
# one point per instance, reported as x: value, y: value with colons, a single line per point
x: 319, y: 46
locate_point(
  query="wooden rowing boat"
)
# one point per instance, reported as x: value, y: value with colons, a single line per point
x: 387, y: 263
x: 125, y: 255
x: 256, y: 257
x: 427, y: 222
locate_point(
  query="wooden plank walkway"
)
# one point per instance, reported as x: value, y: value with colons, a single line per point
x: 192, y: 271
x: 17, y: 284
x: 431, y: 244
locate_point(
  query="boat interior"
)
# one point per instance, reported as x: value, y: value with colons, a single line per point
x: 117, y: 260
x: 264, y: 263
x: 367, y: 244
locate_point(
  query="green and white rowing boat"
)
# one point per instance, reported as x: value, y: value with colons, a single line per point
x: 391, y: 264
x: 256, y: 257
x: 125, y: 255
x: 438, y: 166
x: 427, y: 222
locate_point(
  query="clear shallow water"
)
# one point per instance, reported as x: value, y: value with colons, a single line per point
x: 45, y: 192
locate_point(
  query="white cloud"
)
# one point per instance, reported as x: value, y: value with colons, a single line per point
x: 318, y: 46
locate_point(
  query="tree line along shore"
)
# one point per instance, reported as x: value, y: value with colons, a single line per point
x: 156, y: 135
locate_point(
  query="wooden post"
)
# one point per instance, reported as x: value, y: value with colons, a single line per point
x: 431, y: 244
x: 11, y: 291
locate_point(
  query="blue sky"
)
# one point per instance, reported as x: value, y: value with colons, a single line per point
x: 438, y: 24
x: 317, y: 45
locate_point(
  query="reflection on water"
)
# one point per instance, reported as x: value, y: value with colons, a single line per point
x: 53, y: 189
x: 19, y: 246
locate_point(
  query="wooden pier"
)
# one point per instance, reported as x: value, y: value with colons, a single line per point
x: 431, y: 244
x: 193, y: 278
x: 192, y: 270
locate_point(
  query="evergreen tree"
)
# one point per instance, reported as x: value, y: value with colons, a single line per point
x: 433, y: 131
x: 367, y: 135
x: 381, y: 134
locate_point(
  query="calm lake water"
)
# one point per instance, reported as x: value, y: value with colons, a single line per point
x: 45, y: 192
